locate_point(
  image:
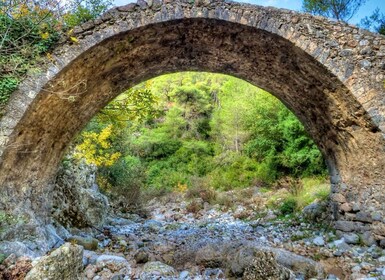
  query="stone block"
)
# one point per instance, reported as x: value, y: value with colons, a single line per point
x: 364, y: 217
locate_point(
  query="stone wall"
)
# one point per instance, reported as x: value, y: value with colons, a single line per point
x: 329, y: 74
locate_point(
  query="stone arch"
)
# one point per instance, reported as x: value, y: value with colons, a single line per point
x: 329, y: 74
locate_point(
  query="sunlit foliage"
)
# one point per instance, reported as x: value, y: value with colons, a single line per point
x: 180, y: 129
x: 95, y: 148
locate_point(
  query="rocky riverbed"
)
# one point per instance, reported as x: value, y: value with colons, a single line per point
x: 190, y: 239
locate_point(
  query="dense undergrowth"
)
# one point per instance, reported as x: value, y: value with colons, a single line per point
x: 204, y: 132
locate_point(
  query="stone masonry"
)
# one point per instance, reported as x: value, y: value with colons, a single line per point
x: 330, y: 74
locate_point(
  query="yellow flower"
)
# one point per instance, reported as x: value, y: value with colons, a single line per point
x: 44, y: 35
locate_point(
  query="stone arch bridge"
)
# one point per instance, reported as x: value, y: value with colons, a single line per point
x: 330, y: 74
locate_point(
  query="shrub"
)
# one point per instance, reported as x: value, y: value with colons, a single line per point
x: 125, y: 180
x: 225, y: 199
x: 288, y: 206
x: 235, y: 171
x: 200, y: 189
x: 194, y: 207
x: 30, y: 29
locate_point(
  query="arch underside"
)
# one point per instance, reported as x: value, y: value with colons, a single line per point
x: 334, y: 119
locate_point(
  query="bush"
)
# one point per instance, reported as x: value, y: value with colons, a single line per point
x: 125, y: 180
x: 30, y: 29
x: 194, y: 207
x: 288, y: 206
x: 237, y: 171
x: 200, y: 189
x: 161, y: 176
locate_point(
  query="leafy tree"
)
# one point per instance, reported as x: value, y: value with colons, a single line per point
x: 135, y: 105
x: 195, y: 109
x: 80, y: 11
x: 376, y: 22
x: 96, y: 148
x: 180, y: 129
x: 341, y: 10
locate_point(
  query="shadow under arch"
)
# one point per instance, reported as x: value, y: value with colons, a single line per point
x: 335, y: 120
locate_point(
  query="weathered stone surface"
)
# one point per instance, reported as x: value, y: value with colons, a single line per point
x: 364, y: 217
x: 29, y: 239
x: 157, y: 269
x: 379, y: 228
x: 350, y: 226
x: 109, y: 258
x: 368, y: 238
x: 109, y: 267
x: 329, y: 74
x: 17, y: 248
x: 77, y: 201
x: 209, y: 256
x: 351, y: 238
x: 265, y: 266
x: 346, y: 207
x: 87, y: 243
x: 63, y: 263
x: 315, y: 212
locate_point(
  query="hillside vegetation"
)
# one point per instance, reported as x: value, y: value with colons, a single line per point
x: 198, y: 131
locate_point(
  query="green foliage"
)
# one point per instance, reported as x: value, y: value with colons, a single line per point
x: 279, y: 141
x: 134, y: 106
x: 125, y: 181
x: 81, y: 11
x: 376, y: 21
x: 233, y: 171
x: 155, y: 145
x: 27, y: 31
x: 200, y: 131
x: 30, y: 29
x: 8, y: 84
x: 341, y: 10
x: 295, y: 194
x: 288, y: 206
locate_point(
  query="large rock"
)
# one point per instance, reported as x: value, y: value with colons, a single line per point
x: 265, y: 267
x: 108, y: 267
x: 237, y: 262
x: 77, y: 201
x: 17, y: 248
x: 28, y: 239
x: 63, y: 263
x: 240, y: 258
x: 209, y: 256
x: 315, y: 212
x: 305, y: 266
x: 236, y: 257
x: 157, y: 270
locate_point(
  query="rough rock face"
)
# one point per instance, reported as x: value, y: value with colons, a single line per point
x: 316, y: 212
x: 77, y: 201
x: 63, y: 263
x: 109, y: 267
x: 26, y: 239
x: 236, y: 257
x: 265, y: 267
x: 153, y: 270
